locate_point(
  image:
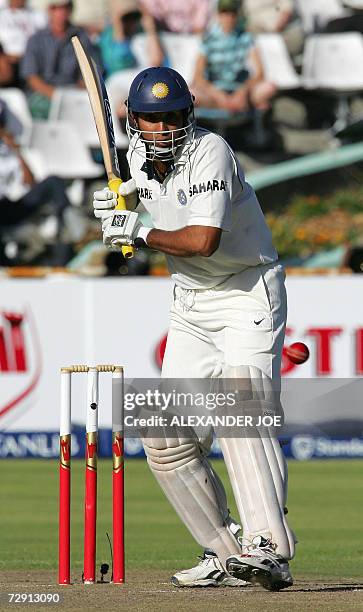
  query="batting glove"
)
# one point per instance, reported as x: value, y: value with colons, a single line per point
x: 104, y: 201
x: 123, y: 227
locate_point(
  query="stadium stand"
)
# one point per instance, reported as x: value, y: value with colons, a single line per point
x: 72, y: 105
x: 19, y: 120
x: 277, y: 64
x: 333, y: 63
x: 315, y: 15
x: 63, y: 151
x: 324, y: 80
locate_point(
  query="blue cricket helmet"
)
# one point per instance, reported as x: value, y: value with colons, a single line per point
x: 159, y: 90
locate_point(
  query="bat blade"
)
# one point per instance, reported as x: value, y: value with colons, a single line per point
x: 102, y: 115
x: 101, y: 108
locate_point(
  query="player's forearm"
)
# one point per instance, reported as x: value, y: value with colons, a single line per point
x: 6, y: 70
x: 37, y: 84
x: 28, y: 176
x: 185, y: 242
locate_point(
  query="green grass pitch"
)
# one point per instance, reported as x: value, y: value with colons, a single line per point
x: 325, y: 506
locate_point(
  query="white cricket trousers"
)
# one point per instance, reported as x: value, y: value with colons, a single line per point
x: 238, y: 325
x: 239, y: 322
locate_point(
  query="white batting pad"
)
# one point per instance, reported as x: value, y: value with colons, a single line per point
x: 233, y: 526
x: 178, y: 467
x: 257, y: 469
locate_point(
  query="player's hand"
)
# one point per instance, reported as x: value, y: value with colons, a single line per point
x: 129, y: 192
x: 239, y: 100
x: 104, y: 203
x: 122, y: 227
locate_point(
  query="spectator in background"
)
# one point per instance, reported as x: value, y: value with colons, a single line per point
x: 349, y: 23
x: 49, y: 61
x: 121, y: 65
x: 180, y: 16
x: 17, y: 24
x: 7, y: 72
x: 115, y: 40
x: 228, y: 72
x: 20, y: 195
x: 276, y: 16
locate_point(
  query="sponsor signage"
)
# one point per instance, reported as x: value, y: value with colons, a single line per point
x: 49, y: 323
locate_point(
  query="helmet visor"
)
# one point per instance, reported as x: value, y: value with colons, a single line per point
x: 160, y: 144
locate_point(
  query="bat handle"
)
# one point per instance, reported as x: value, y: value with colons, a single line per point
x: 114, y: 184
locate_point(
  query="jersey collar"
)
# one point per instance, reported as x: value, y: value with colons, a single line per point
x: 149, y: 170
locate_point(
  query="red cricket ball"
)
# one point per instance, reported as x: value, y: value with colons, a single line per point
x: 298, y: 352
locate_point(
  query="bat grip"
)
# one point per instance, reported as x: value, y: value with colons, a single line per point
x: 114, y: 184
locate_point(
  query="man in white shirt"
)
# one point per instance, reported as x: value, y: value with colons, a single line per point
x: 17, y: 24
x: 227, y: 322
x: 21, y: 196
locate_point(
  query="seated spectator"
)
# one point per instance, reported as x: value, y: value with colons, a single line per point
x: 228, y: 72
x: 120, y: 63
x: 349, y: 23
x: 49, y: 61
x: 17, y: 24
x: 115, y: 40
x: 20, y: 195
x: 275, y: 16
x: 7, y: 72
x: 182, y: 17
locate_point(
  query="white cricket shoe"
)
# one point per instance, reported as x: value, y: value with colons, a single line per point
x: 260, y: 564
x: 208, y: 573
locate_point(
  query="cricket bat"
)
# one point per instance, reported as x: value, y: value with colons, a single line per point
x: 103, y: 119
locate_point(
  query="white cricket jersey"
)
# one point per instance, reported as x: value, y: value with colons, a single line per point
x: 207, y: 187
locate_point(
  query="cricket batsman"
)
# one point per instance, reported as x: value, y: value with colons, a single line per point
x: 228, y: 318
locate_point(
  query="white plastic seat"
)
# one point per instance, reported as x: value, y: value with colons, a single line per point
x: 118, y: 85
x: 36, y: 163
x: 63, y: 151
x: 277, y: 65
x: 315, y: 14
x: 19, y: 120
x: 334, y: 62
x: 181, y: 50
x: 71, y: 104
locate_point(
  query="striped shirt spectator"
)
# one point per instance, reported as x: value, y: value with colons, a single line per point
x: 227, y: 56
x: 17, y: 24
x: 228, y: 73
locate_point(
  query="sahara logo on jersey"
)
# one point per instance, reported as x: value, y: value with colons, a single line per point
x: 214, y: 185
x: 145, y: 193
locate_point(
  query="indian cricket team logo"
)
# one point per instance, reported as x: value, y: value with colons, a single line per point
x: 182, y: 198
x: 160, y: 90
x: 20, y: 363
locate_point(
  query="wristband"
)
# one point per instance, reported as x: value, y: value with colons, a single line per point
x: 143, y: 234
